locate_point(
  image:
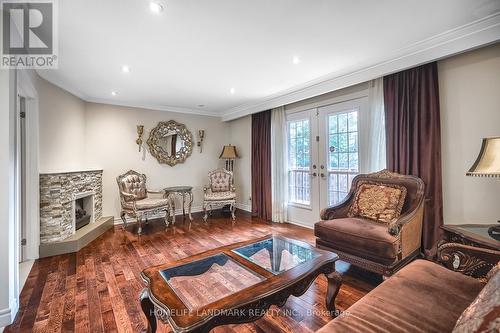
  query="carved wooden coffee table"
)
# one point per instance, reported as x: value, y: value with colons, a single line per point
x: 234, y: 284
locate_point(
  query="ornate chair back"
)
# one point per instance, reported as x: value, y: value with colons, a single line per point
x: 221, y: 180
x: 134, y: 183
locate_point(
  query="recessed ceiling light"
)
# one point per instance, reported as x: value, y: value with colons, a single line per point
x: 232, y: 91
x: 125, y: 69
x: 114, y: 93
x: 155, y: 7
x: 201, y: 105
x: 295, y: 60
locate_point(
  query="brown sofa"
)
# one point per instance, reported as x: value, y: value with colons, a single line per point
x: 422, y: 297
x: 378, y: 247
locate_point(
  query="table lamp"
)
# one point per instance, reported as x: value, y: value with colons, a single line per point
x: 488, y: 165
x: 229, y: 154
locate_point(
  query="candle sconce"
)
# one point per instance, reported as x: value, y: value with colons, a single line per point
x: 140, y: 132
x: 201, y: 136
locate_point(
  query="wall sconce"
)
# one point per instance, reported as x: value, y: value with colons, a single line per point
x: 201, y: 136
x: 140, y: 131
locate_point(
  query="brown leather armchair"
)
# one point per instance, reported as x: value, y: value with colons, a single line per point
x: 136, y: 202
x: 377, y: 247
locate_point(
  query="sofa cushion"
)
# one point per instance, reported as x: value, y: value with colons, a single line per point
x: 422, y: 297
x: 360, y: 237
x: 379, y: 202
x: 148, y: 203
x: 217, y: 196
x: 483, y: 315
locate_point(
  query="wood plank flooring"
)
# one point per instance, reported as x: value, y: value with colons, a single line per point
x: 97, y: 288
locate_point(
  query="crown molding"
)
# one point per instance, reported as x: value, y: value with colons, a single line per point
x: 109, y: 101
x: 64, y: 86
x: 466, y: 37
x: 154, y: 107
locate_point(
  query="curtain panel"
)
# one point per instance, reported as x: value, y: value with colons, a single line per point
x: 261, y: 165
x: 375, y: 128
x: 414, y: 140
x: 279, y: 175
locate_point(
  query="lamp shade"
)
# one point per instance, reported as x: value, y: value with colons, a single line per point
x: 488, y: 162
x: 228, y: 153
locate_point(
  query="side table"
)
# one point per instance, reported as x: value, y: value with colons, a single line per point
x: 184, y: 192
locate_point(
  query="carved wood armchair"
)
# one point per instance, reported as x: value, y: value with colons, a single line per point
x: 220, y: 192
x: 136, y: 202
x: 382, y: 248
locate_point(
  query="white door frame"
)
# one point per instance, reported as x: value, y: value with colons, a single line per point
x: 299, y: 213
x: 26, y: 89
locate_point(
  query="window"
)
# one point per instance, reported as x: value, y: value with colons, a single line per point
x: 299, y: 160
x: 343, y: 162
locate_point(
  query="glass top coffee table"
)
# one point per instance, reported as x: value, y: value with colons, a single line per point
x: 235, y: 283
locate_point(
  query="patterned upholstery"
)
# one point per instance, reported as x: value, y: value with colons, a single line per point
x: 483, y: 315
x: 377, y: 201
x: 220, y: 181
x: 220, y: 192
x: 228, y: 195
x: 148, y: 203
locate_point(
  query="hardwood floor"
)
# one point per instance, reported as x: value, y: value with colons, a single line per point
x: 97, y: 288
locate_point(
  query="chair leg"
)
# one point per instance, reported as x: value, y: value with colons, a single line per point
x: 124, y: 219
x: 233, y: 209
x: 139, y: 222
x: 205, y: 215
x: 167, y: 214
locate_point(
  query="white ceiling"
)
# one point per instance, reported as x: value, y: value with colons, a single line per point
x: 195, y: 51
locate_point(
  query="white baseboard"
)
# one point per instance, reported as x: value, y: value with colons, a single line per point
x: 8, y: 315
x: 245, y: 207
x: 300, y: 224
x: 178, y: 211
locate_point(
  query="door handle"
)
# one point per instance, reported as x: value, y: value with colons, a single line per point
x: 314, y: 174
x: 322, y: 175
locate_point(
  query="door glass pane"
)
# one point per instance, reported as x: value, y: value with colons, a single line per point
x: 299, y: 160
x: 342, y: 153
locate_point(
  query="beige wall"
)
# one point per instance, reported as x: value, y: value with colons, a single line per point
x: 111, y: 133
x: 62, y: 129
x: 469, y: 90
x: 469, y: 87
x: 241, y: 137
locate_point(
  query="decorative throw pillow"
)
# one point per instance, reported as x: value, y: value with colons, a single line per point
x: 483, y: 315
x: 379, y: 202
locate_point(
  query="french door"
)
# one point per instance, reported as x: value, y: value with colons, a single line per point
x: 324, y: 155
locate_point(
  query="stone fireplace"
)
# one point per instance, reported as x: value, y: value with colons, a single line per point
x: 67, y: 198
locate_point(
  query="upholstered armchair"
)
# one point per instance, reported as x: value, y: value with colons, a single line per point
x: 378, y: 226
x: 220, y: 192
x: 136, y: 201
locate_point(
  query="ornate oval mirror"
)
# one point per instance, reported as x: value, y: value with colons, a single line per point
x: 170, y: 142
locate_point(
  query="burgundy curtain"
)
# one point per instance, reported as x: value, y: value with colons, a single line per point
x: 414, y: 140
x: 261, y: 165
